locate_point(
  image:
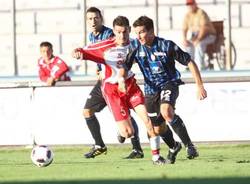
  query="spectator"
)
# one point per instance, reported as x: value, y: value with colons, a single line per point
x: 51, y: 68
x: 202, y: 32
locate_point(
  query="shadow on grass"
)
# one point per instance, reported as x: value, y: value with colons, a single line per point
x: 141, y: 181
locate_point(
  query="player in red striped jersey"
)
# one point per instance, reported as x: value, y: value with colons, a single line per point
x: 119, y: 86
x: 51, y: 68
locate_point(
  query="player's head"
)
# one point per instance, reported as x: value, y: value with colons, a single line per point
x: 94, y: 19
x: 121, y: 30
x: 144, y: 30
x: 192, y: 5
x: 46, y: 50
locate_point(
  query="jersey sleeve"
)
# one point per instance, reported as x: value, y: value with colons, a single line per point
x: 59, y: 68
x: 95, y: 52
x: 178, y: 54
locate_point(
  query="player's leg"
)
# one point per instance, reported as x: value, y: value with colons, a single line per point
x: 125, y: 128
x: 135, y: 140
x: 95, y: 103
x: 137, y: 151
x: 168, y: 98
x: 154, y: 139
x: 160, y: 127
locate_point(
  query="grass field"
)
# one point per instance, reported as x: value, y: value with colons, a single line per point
x: 217, y: 164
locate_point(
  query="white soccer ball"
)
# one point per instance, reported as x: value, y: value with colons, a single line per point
x: 41, y: 155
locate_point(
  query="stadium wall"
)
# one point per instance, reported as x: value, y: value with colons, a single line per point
x: 53, y: 115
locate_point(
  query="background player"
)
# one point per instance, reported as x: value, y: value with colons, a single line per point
x: 51, y: 68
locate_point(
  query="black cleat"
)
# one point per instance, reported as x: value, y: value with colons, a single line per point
x: 121, y: 139
x: 135, y: 154
x: 172, y: 154
x: 160, y: 161
x: 95, y: 151
x: 192, y: 152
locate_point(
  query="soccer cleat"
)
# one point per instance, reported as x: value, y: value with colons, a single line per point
x: 160, y: 161
x: 135, y: 154
x: 95, y: 151
x: 120, y: 138
x: 192, y: 152
x: 173, y: 153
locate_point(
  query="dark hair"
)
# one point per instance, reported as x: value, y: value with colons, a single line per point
x: 94, y: 10
x: 144, y: 21
x: 121, y: 21
x: 46, y: 44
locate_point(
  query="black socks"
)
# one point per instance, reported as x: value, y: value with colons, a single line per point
x: 94, y: 127
x: 180, y: 129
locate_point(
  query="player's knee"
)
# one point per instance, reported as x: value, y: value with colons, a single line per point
x: 127, y: 133
x: 159, y: 129
x: 87, y: 113
x: 168, y: 115
x: 162, y: 128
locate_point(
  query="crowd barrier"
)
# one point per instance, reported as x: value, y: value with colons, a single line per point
x: 53, y: 115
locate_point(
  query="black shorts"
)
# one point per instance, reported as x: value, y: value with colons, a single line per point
x: 95, y: 100
x: 168, y: 94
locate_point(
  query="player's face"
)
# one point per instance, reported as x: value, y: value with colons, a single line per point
x: 144, y: 36
x: 94, y: 21
x: 121, y: 35
x: 46, y: 53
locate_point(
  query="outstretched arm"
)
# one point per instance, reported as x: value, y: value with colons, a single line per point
x: 93, y: 54
x: 201, y: 93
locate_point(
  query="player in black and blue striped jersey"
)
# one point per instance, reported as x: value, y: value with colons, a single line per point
x: 95, y: 102
x: 156, y: 58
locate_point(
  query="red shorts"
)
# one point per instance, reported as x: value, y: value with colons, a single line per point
x: 120, y: 103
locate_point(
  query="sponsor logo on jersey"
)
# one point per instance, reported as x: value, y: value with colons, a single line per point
x: 160, y: 54
x: 142, y: 54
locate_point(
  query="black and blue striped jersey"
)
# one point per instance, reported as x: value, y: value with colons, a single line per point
x: 104, y: 34
x: 157, y: 63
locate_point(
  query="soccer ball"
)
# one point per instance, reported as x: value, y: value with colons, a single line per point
x: 41, y: 155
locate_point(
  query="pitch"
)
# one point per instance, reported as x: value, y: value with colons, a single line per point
x: 217, y: 164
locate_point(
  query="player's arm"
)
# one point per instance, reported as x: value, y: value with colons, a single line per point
x: 93, y: 54
x: 121, y: 80
x: 201, y: 92
x: 59, y: 69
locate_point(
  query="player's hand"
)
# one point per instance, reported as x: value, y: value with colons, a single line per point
x: 98, y: 75
x: 201, y: 93
x: 186, y: 43
x: 50, y: 81
x: 122, y: 86
x: 76, y: 53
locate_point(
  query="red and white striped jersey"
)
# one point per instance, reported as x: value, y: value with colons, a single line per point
x: 112, y: 56
x: 57, y: 69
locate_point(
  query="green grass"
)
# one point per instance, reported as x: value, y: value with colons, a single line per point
x: 221, y: 163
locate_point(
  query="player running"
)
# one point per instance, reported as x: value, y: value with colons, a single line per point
x: 156, y: 59
x: 119, y: 88
x: 95, y: 102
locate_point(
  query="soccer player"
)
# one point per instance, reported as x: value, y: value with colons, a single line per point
x: 95, y: 102
x: 112, y: 54
x: 51, y: 68
x: 156, y: 58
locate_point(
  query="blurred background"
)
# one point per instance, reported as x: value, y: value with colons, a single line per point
x: 25, y: 23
